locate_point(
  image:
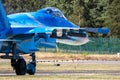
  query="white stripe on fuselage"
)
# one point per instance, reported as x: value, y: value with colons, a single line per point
x: 33, y: 18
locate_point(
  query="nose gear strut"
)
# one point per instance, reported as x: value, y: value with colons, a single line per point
x: 31, y: 67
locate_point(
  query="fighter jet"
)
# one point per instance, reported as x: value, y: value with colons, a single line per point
x: 25, y: 32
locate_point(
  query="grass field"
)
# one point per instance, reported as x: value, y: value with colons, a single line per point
x: 79, y: 56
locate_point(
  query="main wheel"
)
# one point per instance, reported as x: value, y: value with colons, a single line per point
x: 31, y: 68
x: 20, y: 67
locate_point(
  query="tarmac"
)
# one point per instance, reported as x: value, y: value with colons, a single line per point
x: 80, y: 72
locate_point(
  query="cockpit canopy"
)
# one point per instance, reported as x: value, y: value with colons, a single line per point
x: 54, y: 11
x: 52, y: 16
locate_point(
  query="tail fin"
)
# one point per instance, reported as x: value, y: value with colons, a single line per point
x: 4, y: 23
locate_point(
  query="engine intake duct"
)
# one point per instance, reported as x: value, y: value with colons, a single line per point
x: 59, y: 34
x: 65, y: 34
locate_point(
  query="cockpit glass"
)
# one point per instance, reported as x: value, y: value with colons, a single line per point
x: 55, y: 12
x: 49, y: 11
x: 58, y: 13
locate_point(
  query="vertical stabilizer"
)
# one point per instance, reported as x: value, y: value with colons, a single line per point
x: 4, y: 23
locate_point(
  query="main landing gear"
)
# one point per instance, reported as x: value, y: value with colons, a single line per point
x: 19, y: 64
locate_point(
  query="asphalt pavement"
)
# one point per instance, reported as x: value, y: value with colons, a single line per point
x: 80, y: 72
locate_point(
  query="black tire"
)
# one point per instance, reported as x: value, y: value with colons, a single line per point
x: 31, y: 69
x: 20, y: 67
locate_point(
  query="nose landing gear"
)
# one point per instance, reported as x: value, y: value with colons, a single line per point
x: 20, y: 67
x: 19, y: 64
x: 31, y: 67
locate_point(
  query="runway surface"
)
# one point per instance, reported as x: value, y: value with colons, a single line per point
x: 82, y: 72
x: 79, y: 72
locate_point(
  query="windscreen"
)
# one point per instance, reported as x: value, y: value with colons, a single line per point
x: 55, y: 12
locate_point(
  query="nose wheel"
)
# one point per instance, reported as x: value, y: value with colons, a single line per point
x: 31, y: 67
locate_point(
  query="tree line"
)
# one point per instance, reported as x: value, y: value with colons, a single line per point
x: 85, y: 13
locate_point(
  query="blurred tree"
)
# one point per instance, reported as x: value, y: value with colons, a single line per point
x: 112, y: 19
x: 14, y: 6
